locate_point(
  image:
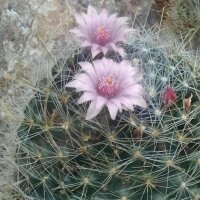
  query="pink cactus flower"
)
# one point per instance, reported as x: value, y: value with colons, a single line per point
x: 110, y: 84
x: 100, y: 31
x: 169, y: 96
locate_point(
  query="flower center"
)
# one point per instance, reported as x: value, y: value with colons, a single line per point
x: 108, y: 86
x: 102, y: 35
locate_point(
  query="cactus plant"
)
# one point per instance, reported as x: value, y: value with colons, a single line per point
x: 147, y: 154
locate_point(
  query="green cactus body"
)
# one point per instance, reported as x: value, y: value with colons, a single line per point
x: 151, y: 154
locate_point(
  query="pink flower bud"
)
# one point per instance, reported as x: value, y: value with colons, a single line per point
x: 169, y: 96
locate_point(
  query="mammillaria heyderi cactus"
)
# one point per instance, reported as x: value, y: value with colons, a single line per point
x: 149, y: 153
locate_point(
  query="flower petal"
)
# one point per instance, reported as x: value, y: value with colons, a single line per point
x: 132, y: 90
x: 95, y: 52
x: 111, y: 20
x: 91, y: 11
x: 86, y: 66
x: 117, y: 102
x: 101, y: 101
x: 129, y: 101
x: 79, y: 19
x: 85, y: 43
x: 122, y: 20
x: 89, y: 69
x: 104, y: 49
x: 113, y: 109
x: 93, y: 111
x: 82, y: 82
x: 103, y: 17
x: 121, y: 52
x: 87, y: 96
x: 113, y: 46
x: 77, y: 32
x: 73, y: 84
x: 86, y: 87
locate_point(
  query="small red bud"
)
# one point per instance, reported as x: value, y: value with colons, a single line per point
x: 169, y: 96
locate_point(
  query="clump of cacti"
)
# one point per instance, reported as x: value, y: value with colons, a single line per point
x: 148, y: 150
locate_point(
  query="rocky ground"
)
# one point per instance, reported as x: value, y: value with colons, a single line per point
x: 33, y: 34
